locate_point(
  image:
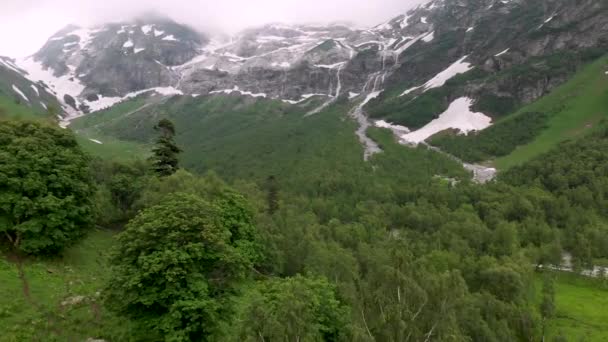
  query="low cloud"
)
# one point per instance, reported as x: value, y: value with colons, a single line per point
x: 25, y: 24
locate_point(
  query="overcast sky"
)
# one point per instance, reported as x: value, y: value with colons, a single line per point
x: 26, y: 24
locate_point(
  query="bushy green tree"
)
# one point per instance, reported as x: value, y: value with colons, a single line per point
x: 165, y: 159
x: 292, y: 309
x: 45, y: 187
x: 119, y: 187
x: 176, y: 267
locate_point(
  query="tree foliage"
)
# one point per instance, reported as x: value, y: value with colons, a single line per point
x: 176, y: 267
x: 165, y: 159
x: 45, y: 187
x: 292, y: 309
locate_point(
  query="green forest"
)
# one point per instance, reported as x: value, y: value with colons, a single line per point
x: 303, y: 243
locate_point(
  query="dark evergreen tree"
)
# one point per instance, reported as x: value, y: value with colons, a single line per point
x: 165, y: 160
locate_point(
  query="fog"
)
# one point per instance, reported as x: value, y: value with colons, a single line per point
x: 26, y: 24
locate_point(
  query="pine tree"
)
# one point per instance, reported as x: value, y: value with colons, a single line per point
x: 165, y: 160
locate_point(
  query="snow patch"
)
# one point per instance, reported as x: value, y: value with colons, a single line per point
x: 158, y: 33
x: 403, y: 24
x: 18, y: 91
x: 502, y: 53
x: 6, y: 64
x: 138, y: 50
x: 392, y: 127
x: 352, y: 95
x: 106, y: 102
x: 236, y: 89
x: 170, y: 38
x: 330, y: 66
x: 128, y: 44
x: 458, y: 116
x: 281, y: 65
x: 96, y: 141
x: 429, y: 37
x: 35, y: 90
x: 459, y: 67
x: 147, y: 29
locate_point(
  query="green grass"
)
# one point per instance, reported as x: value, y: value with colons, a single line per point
x: 88, y: 127
x: 11, y: 110
x: 90, y: 121
x: 575, y: 108
x: 581, y: 304
x: 112, y: 148
x: 244, y: 138
x: 81, y: 271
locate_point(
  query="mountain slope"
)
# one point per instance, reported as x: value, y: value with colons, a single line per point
x: 501, y: 55
x: 93, y: 68
x: 242, y: 137
x: 569, y: 112
x: 19, y: 97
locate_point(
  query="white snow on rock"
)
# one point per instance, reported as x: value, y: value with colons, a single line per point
x: 281, y: 65
x: 429, y: 37
x: 546, y: 21
x: 408, y: 44
x: 423, y: 20
x: 128, y: 44
x: 61, y: 86
x: 158, y: 33
x: 85, y: 36
x: 352, y: 95
x: 236, y: 89
x: 147, y: 29
x: 35, y: 90
x: 459, y: 67
x: 404, y: 23
x: 96, y: 141
x: 458, y: 116
x: 106, y: 102
x: 305, y: 97
x: 43, y: 105
x: 470, y: 29
x: 502, y: 53
x: 170, y: 38
x: 330, y: 66
x: 167, y: 91
x: 392, y: 127
x: 411, y: 90
x: 8, y: 65
x: 138, y: 50
x: 102, y: 103
x: 18, y: 91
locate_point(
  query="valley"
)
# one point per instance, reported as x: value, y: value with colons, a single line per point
x: 417, y: 180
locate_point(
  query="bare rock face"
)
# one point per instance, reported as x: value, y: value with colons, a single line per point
x: 92, y: 68
x: 113, y: 60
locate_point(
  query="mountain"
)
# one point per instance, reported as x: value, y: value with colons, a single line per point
x: 92, y: 68
x: 21, y: 97
x: 445, y: 67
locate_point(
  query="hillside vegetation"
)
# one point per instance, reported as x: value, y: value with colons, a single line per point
x: 569, y: 112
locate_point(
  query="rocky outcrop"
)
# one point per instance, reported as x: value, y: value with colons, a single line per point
x: 511, y: 45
